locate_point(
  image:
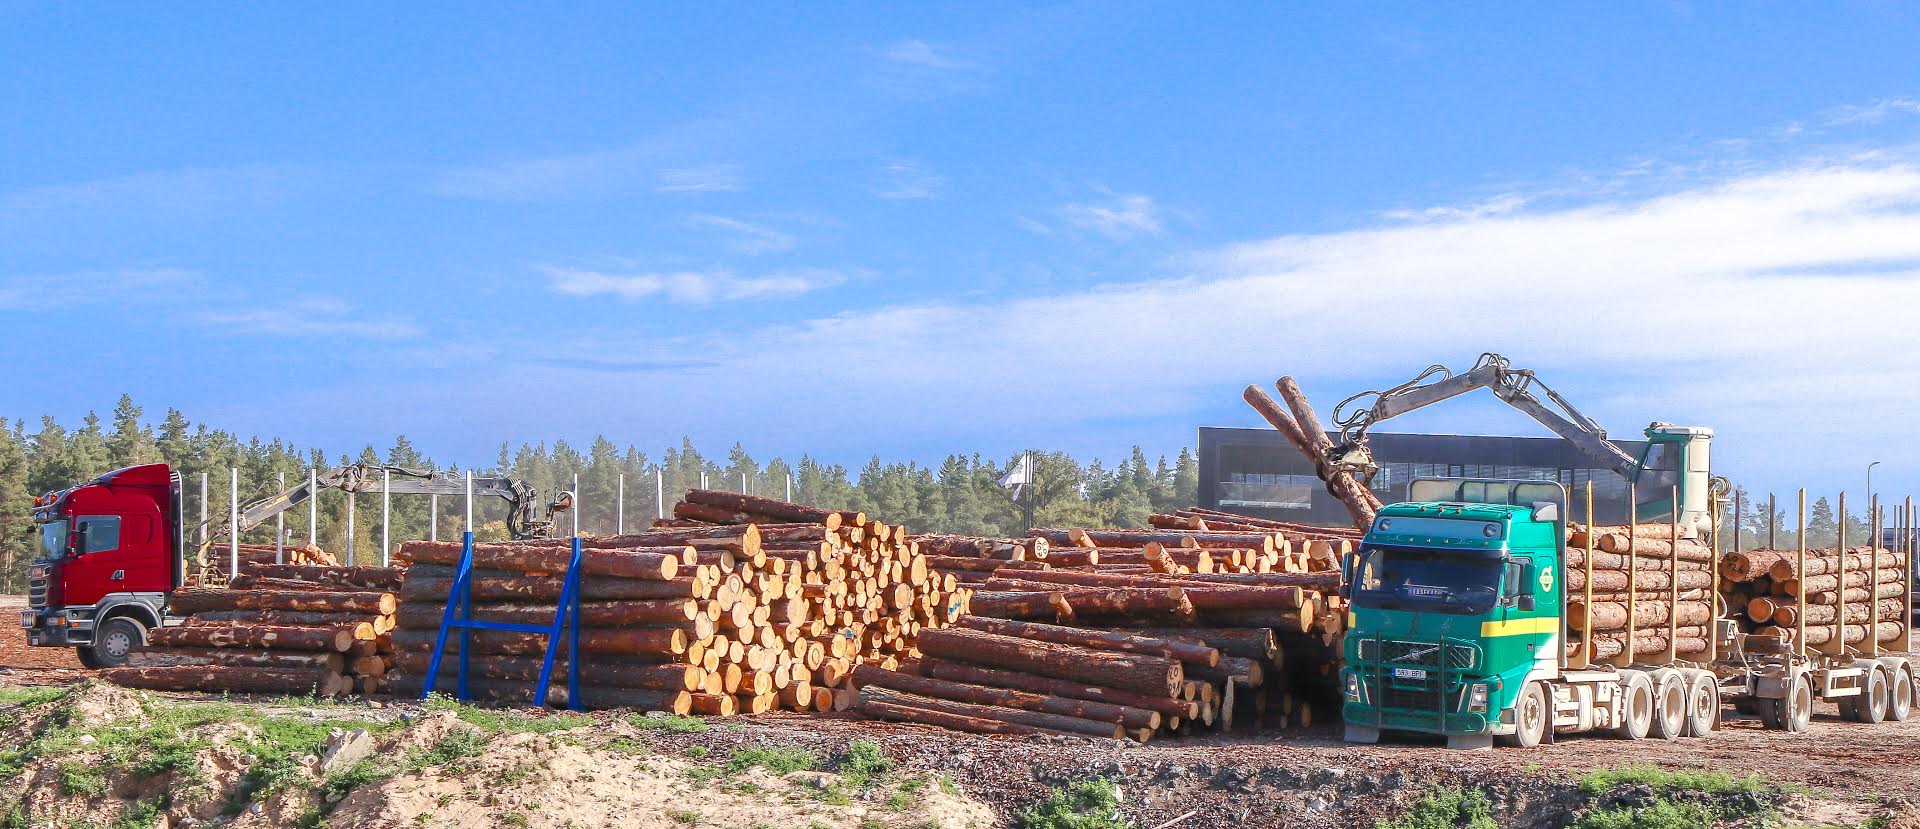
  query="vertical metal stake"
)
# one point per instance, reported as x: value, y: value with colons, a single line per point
x: 620, y: 504
x: 789, y: 487
x: 433, y: 516
x: 313, y: 507
x: 233, y: 522
x: 660, y: 492
x: 576, y: 505
x: 280, y: 529
x: 353, y: 518
x: 1770, y: 529
x: 203, y: 509
x: 386, y: 516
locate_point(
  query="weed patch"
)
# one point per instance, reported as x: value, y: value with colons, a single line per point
x: 1446, y: 809
x: 1087, y: 804
x: 671, y: 725
x: 779, y: 761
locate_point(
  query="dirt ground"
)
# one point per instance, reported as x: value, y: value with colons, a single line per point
x: 1298, y: 777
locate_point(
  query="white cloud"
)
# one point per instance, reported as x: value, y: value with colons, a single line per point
x: 311, y: 317
x: 191, y: 190
x: 711, y: 178
x: 691, y: 287
x: 747, y: 237
x: 52, y: 291
x: 1120, y: 216
x: 908, y: 180
x: 1874, y: 113
x: 922, y: 54
x: 1775, y: 306
x: 1496, y: 206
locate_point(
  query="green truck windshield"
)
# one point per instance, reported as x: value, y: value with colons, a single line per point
x: 1405, y: 578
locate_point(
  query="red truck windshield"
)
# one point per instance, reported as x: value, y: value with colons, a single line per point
x: 53, y: 540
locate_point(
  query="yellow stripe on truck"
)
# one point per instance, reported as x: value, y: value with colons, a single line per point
x: 1518, y: 627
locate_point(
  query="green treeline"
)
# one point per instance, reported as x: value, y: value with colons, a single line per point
x: 961, y: 495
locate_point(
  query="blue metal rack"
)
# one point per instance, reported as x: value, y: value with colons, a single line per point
x: 459, y: 616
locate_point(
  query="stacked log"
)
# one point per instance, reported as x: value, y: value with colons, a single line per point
x: 1855, y: 595
x: 1642, y: 596
x: 1323, y: 547
x: 278, y: 628
x: 738, y: 604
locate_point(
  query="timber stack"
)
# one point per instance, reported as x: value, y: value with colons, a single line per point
x: 1855, y: 595
x: 1642, y: 593
x: 738, y: 604
x: 278, y: 628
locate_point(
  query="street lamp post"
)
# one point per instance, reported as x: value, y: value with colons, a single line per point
x: 1870, y: 481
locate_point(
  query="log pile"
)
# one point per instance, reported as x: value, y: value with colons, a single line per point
x: 278, y: 628
x: 1856, y: 595
x: 738, y: 604
x: 1643, y: 595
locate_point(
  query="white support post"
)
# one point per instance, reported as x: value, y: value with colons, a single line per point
x: 576, y: 505
x: 203, y: 509
x: 433, y: 517
x: 789, y: 487
x: 469, y: 524
x: 386, y: 516
x: 280, y: 529
x: 660, y: 493
x: 233, y: 522
x: 703, y: 479
x: 620, y: 505
x: 313, y: 506
x: 353, y: 519
x: 743, y: 483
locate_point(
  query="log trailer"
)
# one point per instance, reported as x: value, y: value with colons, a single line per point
x: 1459, y: 627
x: 112, y: 549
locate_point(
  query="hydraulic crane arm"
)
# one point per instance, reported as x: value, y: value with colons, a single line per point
x: 1491, y: 371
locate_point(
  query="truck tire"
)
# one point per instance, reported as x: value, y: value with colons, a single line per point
x: 1669, y: 705
x: 1636, y: 706
x: 1531, y: 718
x: 1796, y: 708
x: 1900, y: 695
x: 1872, y: 707
x: 112, y: 641
x: 1703, y: 703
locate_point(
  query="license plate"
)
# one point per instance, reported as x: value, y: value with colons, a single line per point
x: 1409, y: 673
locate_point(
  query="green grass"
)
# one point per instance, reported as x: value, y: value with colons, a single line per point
x: 1682, y: 799
x: 1704, y: 781
x: 514, y: 819
x: 81, y: 778
x: 30, y: 697
x: 779, y: 761
x: 946, y: 784
x: 863, y: 763
x: 1665, y: 814
x: 683, y: 817
x: 1446, y: 809
x: 696, y: 752
x: 906, y: 796
x: 493, y: 720
x: 671, y: 725
x: 141, y: 815
x: 1087, y: 804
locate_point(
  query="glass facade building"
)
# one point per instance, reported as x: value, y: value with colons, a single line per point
x: 1257, y: 472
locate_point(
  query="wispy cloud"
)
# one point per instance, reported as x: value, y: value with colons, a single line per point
x: 644, y: 164
x: 311, y: 317
x: 1119, y: 216
x: 917, y: 68
x: 691, y: 287
x: 900, y: 179
x: 711, y: 178
x: 746, y: 237
x: 191, y: 191
x: 616, y: 366
x: 1496, y: 206
x: 48, y: 291
x: 1874, y: 113
x: 916, y: 52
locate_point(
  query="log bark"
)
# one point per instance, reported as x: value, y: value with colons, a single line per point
x: 964, y: 546
x: 1166, y: 705
x: 766, y: 507
x: 1283, y: 621
x: 1131, y: 602
x: 282, y: 637
x: 1645, y: 547
x: 1613, y: 615
x: 649, y: 563
x: 216, y: 679
x: 1858, y: 594
x: 327, y: 661
x: 638, y: 642
x: 1786, y: 612
x: 1576, y: 560
x: 279, y: 617
x: 1020, y: 605
x: 1101, y: 640
x: 873, y: 675
x: 1131, y: 672
x: 608, y: 672
x: 749, y: 534
x: 1831, y: 581
x: 1252, y: 643
x: 907, y: 713
x: 1647, y: 580
x: 496, y: 586
x: 378, y: 579
x: 1359, y: 503
x: 651, y: 612
x: 1608, y: 647
x: 1822, y: 634
x: 189, y: 601
x: 1043, y: 721
x: 1825, y: 562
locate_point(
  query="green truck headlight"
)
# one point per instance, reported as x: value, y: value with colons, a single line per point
x: 1477, y: 697
x: 1353, y: 688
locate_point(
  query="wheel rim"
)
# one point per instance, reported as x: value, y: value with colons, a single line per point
x: 1532, y: 715
x: 1802, y: 712
x: 118, y: 644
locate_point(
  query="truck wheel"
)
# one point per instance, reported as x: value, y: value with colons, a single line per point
x: 1872, y: 706
x: 1703, y: 704
x: 1636, y: 707
x: 1900, y: 695
x: 87, y: 659
x: 114, y: 639
x: 1531, y: 718
x: 1669, y: 705
x: 1797, y: 708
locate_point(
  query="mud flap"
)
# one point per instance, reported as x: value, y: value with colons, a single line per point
x: 1470, y: 742
x: 1362, y: 734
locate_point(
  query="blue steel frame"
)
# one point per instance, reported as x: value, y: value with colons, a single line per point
x: 459, y: 616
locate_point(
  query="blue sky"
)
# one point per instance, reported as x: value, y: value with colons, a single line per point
x: 863, y: 229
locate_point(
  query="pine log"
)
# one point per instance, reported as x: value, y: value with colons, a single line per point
x: 283, y: 637
x: 1130, y: 602
x: 1786, y: 612
x: 873, y: 675
x: 765, y: 507
x: 1646, y: 580
x: 1021, y: 604
x: 750, y: 534
x: 1576, y: 560
x: 279, y: 617
x: 649, y: 563
x: 650, y: 612
x: 908, y: 713
x: 1185, y: 652
x: 983, y: 565
x: 1238, y: 670
x: 1822, y: 634
x: 1033, y: 719
x: 192, y: 600
x: 1166, y: 705
x: 1649, y: 643
x: 380, y: 579
x: 327, y: 661
x: 1613, y: 615
x: 1887, y: 590
x: 635, y: 642
x: 1359, y: 503
x: 962, y: 546
x: 1831, y: 581
x: 1645, y: 547
x: 495, y: 586
x: 229, y: 679
x: 1132, y: 672
x: 1252, y: 643
x: 1823, y: 562
x: 609, y: 672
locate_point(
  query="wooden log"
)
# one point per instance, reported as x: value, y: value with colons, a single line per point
x: 1609, y: 646
x: 1252, y: 643
x: 901, y: 712
x: 1647, y: 580
x: 749, y: 534
x: 1643, y: 546
x: 766, y: 507
x: 1167, y: 705
x: 1359, y: 503
x: 1825, y: 561
x: 649, y: 612
x: 608, y: 671
x: 1103, y: 640
x: 709, y: 514
x: 1072, y: 556
x: 1247, y: 673
x: 1786, y: 612
x: 592, y: 697
x: 229, y: 679
x: 193, y: 600
x: 1041, y: 720
x: 326, y: 661
x: 983, y: 565
x: 1021, y: 604
x: 1832, y: 581
x: 649, y: 563
x: 1613, y: 615
x: 1149, y: 603
x: 1296, y: 621
x: 1003, y: 549
x: 1576, y: 559
x: 379, y: 579
x: 1131, y: 672
x: 1887, y: 590
x: 639, y: 642
x: 1217, y: 597
x: 547, y: 588
x: 872, y: 675
x: 279, y: 617
x: 282, y: 637
x: 1174, y: 540
x: 1822, y: 634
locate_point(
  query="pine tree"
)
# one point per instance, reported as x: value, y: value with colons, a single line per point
x: 1821, y: 528
x: 16, y: 504
x: 130, y: 444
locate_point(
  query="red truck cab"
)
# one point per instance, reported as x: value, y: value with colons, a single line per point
x: 110, y: 551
